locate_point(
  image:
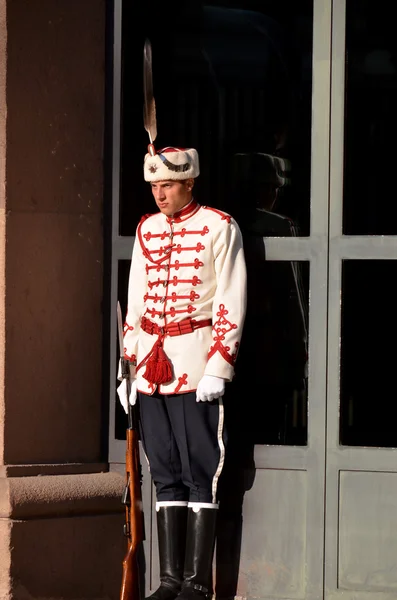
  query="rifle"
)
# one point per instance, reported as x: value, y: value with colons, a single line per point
x: 132, y: 495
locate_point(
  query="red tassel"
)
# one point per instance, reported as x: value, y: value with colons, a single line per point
x: 158, y: 367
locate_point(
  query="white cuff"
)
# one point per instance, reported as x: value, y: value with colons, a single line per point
x: 170, y: 503
x: 197, y: 505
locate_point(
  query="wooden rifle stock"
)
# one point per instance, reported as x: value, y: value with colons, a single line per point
x: 132, y: 498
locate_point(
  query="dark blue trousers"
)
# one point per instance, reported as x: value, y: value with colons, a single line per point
x: 184, y: 444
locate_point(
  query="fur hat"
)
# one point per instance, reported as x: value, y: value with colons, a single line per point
x: 171, y: 163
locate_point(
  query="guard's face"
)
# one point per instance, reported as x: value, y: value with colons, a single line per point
x: 172, y: 196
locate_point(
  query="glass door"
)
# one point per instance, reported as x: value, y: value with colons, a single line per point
x: 248, y: 84
x: 361, y: 485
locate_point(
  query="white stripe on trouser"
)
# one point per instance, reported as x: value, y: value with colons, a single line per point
x: 221, y: 448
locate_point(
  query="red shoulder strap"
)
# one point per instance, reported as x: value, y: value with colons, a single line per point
x: 224, y: 216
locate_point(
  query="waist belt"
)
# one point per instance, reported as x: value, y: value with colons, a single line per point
x: 186, y: 326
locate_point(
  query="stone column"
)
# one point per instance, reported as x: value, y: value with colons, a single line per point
x: 61, y: 517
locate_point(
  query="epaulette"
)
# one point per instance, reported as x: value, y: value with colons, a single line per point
x: 224, y: 216
x: 144, y: 217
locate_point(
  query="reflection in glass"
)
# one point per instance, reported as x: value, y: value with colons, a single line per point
x: 370, y: 119
x: 259, y: 181
x: 368, y: 357
x: 233, y: 81
x: 272, y: 366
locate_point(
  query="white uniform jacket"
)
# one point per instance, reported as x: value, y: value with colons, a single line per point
x: 188, y: 269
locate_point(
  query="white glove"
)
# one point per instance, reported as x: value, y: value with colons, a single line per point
x: 210, y: 388
x: 122, y: 392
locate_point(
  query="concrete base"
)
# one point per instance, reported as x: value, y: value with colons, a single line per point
x: 61, y: 537
x: 75, y: 558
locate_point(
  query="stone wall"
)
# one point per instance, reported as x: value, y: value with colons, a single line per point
x: 60, y: 511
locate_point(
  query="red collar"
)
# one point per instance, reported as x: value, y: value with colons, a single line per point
x: 188, y: 211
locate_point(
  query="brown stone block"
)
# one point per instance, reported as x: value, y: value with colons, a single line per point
x: 2, y: 327
x: 55, y: 98
x: 75, y: 558
x: 5, y: 559
x: 61, y: 537
x: 3, y: 102
x: 53, y: 338
x: 61, y: 495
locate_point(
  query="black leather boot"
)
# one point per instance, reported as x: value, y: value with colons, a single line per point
x: 171, y: 531
x: 200, y: 542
